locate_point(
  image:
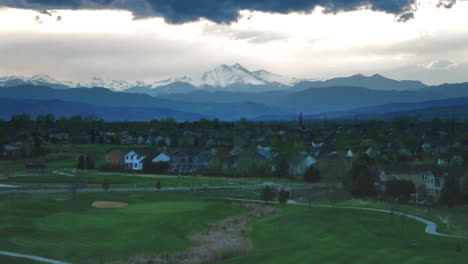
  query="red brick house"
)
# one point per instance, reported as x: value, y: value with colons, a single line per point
x: 116, y: 158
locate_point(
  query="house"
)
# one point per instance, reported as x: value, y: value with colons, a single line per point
x: 160, y: 157
x: 189, y: 161
x: 11, y: 151
x: 116, y: 158
x: 59, y: 136
x: 35, y: 167
x: 429, y: 179
x: 317, y: 148
x: 134, y: 159
x: 434, y: 184
x: 263, y: 154
x: 305, y: 161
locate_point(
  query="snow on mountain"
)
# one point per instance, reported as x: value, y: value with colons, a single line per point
x: 39, y: 79
x: 271, y: 77
x: 184, y: 79
x: 224, y: 76
x: 118, y: 85
x: 44, y: 78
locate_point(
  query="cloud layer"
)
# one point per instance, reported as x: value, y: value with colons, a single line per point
x: 226, y: 11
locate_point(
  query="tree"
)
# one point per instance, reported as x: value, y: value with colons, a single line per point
x: 158, y: 185
x: 282, y: 170
x: 85, y: 162
x: 360, y: 181
x: 450, y: 192
x: 456, y: 162
x: 312, y: 174
x: 400, y: 189
x: 283, y: 196
x: 267, y: 194
x: 81, y: 162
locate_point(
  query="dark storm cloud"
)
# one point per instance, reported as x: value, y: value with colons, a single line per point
x: 226, y: 11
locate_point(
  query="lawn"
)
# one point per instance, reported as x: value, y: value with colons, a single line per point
x: 53, y: 226
x: 328, y: 236
x: 15, y: 260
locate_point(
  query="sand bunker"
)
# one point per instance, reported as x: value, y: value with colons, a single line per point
x: 109, y: 205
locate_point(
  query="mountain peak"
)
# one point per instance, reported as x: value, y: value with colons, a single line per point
x: 44, y: 78
x: 237, y: 66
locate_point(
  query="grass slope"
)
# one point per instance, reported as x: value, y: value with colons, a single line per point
x: 74, y: 231
x: 329, y: 236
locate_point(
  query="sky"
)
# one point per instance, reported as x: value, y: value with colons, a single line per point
x: 151, y: 40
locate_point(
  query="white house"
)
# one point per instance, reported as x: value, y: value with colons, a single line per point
x: 434, y: 184
x: 134, y: 159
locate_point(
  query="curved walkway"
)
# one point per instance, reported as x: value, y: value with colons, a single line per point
x: 39, y: 259
x: 431, y: 227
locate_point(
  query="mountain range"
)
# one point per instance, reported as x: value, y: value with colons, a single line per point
x: 228, y: 93
x: 234, y: 78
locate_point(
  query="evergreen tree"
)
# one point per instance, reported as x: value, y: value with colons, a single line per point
x: 81, y: 162
x: 360, y: 181
x: 283, y: 196
x: 450, y: 192
x: 158, y: 185
x: 312, y: 175
x: 267, y: 194
x: 282, y: 170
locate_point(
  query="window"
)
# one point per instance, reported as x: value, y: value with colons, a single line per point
x: 135, y: 165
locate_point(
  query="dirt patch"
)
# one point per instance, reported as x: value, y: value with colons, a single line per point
x: 220, y: 241
x: 108, y: 205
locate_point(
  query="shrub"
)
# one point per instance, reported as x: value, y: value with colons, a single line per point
x: 267, y: 194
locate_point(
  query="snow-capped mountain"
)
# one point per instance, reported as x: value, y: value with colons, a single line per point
x: 46, y: 80
x: 39, y: 79
x: 117, y: 85
x: 234, y: 78
x: 224, y: 76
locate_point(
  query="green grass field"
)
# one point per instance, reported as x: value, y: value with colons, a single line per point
x: 74, y: 231
x: 329, y: 236
x: 15, y: 260
x: 56, y: 227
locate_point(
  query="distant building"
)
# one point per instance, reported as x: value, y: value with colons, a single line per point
x: 430, y: 179
x: 189, y: 161
x: 135, y: 158
x: 116, y: 158
x: 59, y: 136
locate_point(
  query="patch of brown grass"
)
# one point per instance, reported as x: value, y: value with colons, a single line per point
x: 108, y: 205
x: 219, y: 241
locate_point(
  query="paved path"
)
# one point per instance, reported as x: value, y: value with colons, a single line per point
x: 431, y: 227
x: 63, y: 173
x: 153, y: 189
x: 39, y: 259
x: 8, y: 186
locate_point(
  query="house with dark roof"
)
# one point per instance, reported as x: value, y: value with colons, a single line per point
x: 135, y: 158
x: 430, y: 179
x: 189, y: 161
